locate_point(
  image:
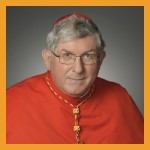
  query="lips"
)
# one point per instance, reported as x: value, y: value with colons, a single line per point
x: 77, y: 79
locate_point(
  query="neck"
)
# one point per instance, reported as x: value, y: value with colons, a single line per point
x: 79, y: 96
x: 85, y: 93
x: 74, y: 99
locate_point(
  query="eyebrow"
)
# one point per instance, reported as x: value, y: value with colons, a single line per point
x: 65, y: 50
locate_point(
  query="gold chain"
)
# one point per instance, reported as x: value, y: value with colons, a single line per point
x: 76, y: 110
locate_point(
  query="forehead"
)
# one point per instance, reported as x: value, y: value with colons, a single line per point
x: 78, y: 45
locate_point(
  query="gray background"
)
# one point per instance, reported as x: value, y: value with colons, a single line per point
x: 121, y: 27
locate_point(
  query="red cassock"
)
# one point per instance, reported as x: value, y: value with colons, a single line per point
x: 37, y: 114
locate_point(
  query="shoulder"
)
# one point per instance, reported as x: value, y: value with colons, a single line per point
x: 26, y: 89
x: 119, y: 110
x: 29, y: 83
x: 111, y: 91
x: 26, y: 94
x: 114, y: 98
x: 110, y: 87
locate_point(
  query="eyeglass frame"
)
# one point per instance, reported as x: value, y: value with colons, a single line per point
x: 59, y: 56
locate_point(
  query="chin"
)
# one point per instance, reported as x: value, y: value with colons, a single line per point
x: 76, y: 93
x: 75, y: 90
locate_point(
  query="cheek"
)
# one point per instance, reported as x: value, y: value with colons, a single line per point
x: 58, y: 72
x: 93, y: 71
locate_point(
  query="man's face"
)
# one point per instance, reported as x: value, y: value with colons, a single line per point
x: 74, y: 79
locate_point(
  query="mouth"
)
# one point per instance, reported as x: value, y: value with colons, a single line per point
x: 76, y: 79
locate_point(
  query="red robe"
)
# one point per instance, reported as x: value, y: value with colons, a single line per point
x: 36, y: 115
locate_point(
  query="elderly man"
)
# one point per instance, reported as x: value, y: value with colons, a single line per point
x: 69, y: 103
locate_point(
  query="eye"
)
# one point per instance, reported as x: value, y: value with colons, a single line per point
x: 66, y: 55
x: 89, y: 56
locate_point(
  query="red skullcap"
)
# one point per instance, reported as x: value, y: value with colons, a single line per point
x: 73, y: 14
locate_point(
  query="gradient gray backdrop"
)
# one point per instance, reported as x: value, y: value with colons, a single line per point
x: 121, y: 27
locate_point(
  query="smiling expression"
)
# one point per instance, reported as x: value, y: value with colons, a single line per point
x: 75, y: 79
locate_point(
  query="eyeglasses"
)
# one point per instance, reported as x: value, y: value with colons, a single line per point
x: 68, y: 58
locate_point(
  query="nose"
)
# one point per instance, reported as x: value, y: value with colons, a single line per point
x: 78, y: 66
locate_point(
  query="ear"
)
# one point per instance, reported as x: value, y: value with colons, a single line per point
x: 46, y: 58
x: 102, y: 56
